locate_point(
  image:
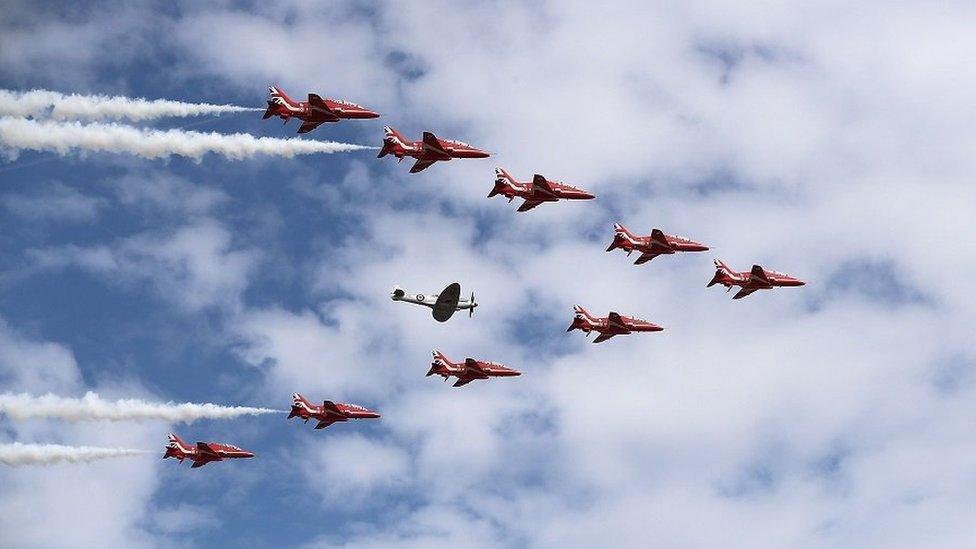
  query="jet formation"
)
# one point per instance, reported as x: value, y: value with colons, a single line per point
x: 430, y: 149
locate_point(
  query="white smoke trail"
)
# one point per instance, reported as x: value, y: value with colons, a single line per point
x: 91, y: 407
x: 101, y: 107
x: 63, y: 137
x: 17, y: 454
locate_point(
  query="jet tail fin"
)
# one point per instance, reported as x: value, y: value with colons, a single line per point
x: 270, y: 111
x: 721, y: 271
x: 619, y: 228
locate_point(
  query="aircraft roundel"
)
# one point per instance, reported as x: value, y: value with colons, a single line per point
x: 420, y: 297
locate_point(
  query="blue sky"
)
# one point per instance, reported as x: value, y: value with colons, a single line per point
x: 830, y: 143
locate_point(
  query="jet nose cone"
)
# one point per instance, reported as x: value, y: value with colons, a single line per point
x: 248, y: 454
x: 478, y: 153
x: 800, y: 283
x: 587, y: 196
x: 370, y: 114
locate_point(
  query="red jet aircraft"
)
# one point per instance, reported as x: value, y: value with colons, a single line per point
x: 535, y: 192
x: 329, y: 412
x: 469, y: 370
x: 427, y: 151
x: 203, y: 453
x: 613, y: 325
x: 314, y: 112
x: 653, y: 245
x: 750, y: 281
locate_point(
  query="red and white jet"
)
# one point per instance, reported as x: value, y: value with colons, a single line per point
x: 750, y: 281
x: 650, y: 246
x: 535, y: 192
x: 427, y: 151
x: 203, y: 453
x: 612, y: 325
x: 329, y: 412
x: 469, y: 370
x: 314, y: 112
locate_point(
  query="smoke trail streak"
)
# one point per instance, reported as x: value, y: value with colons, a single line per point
x: 63, y: 137
x: 91, y: 407
x: 17, y: 454
x: 101, y: 107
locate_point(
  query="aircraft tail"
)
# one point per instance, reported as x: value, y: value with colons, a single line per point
x: 581, y: 311
x: 722, y: 271
x: 620, y: 229
x: 620, y: 236
x: 503, y: 180
x: 393, y: 141
x: 274, y: 92
x: 176, y: 448
x: 297, y: 401
x: 270, y: 111
x: 397, y: 293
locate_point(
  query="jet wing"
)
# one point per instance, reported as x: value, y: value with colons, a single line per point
x: 540, y: 184
x: 447, y: 302
x: 330, y: 407
x: 757, y: 274
x: 432, y: 145
x: 614, y: 320
x: 528, y: 205
x: 658, y: 237
x: 322, y: 424
x: 603, y: 337
x: 309, y: 126
x: 205, y: 449
x: 422, y: 165
x: 743, y: 292
x: 318, y: 104
x: 472, y: 364
x: 198, y: 464
x: 645, y: 257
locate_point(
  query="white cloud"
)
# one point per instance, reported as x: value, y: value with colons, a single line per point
x: 196, y: 266
x: 351, y: 468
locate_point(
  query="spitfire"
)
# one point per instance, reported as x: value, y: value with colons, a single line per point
x: 750, y: 281
x: 609, y: 326
x: 443, y: 305
x: 203, y: 453
x: 314, y: 112
x: 428, y: 150
x: 650, y: 246
x: 329, y: 412
x: 535, y: 192
x: 469, y: 370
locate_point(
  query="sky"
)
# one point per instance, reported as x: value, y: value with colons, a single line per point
x: 826, y: 140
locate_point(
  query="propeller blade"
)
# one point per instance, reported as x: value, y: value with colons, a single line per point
x: 473, y: 305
